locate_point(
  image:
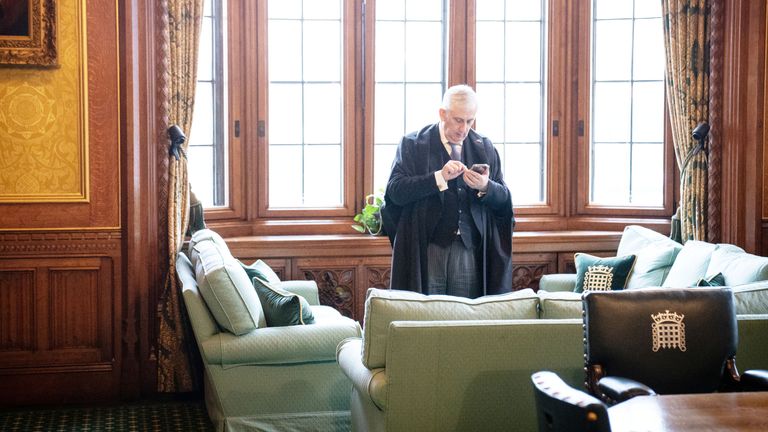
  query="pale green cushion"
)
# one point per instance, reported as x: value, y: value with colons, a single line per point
x: 384, y: 306
x: 655, y: 255
x: 737, y: 266
x: 751, y: 299
x: 205, y: 234
x: 690, y: 265
x: 226, y: 289
x: 262, y: 268
x: 282, y: 308
x: 559, y: 305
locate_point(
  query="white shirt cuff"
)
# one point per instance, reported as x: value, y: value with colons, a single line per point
x: 441, y: 183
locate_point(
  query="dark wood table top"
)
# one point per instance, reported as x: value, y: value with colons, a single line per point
x: 692, y: 412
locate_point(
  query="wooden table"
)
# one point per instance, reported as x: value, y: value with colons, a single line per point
x: 692, y: 412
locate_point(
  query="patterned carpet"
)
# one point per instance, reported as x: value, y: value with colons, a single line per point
x: 142, y: 416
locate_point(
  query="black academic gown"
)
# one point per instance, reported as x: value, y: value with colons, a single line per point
x: 413, y: 205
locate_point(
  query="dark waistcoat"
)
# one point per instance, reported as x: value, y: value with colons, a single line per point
x: 456, y: 215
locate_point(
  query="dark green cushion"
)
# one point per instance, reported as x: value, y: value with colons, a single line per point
x: 254, y: 271
x: 282, y: 308
x: 717, y: 280
x: 602, y: 274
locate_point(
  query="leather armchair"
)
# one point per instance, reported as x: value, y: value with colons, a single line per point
x: 665, y: 341
x: 562, y: 408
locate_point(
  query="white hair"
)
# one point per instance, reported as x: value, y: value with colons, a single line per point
x: 461, y: 94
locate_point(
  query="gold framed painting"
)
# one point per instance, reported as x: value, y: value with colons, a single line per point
x: 28, y: 32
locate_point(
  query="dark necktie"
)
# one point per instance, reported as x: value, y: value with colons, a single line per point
x: 455, y: 151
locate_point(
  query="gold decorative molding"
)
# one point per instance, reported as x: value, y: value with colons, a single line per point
x: 44, y: 121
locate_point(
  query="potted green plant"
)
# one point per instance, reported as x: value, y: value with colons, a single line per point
x: 369, y: 219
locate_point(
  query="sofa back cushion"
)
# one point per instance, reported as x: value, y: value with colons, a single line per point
x: 655, y: 255
x: 737, y: 266
x: 226, y: 288
x: 690, y: 265
x: 385, y: 306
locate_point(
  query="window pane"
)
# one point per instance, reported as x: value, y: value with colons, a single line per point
x: 524, y: 51
x: 627, y: 138
x: 322, y: 53
x: 649, y: 62
x: 390, y: 10
x: 422, y: 102
x: 390, y: 46
x: 523, y: 113
x: 648, y: 112
x: 284, y: 109
x: 284, y: 50
x: 390, y: 113
x: 610, y: 171
x: 523, y: 172
x: 611, y: 112
x: 526, y: 10
x: 322, y: 175
x: 616, y: 8
x: 423, y: 54
x: 322, y: 114
x: 490, y: 58
x: 382, y: 158
x: 613, y: 50
x: 423, y: 10
x: 205, y: 53
x: 409, y: 75
x: 322, y: 9
x: 199, y: 161
x: 647, y: 9
x: 305, y: 99
x: 285, y: 176
x: 510, y: 90
x: 284, y: 9
x: 647, y: 174
x: 202, y: 117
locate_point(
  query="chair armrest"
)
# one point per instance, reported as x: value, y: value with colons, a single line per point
x: 280, y: 345
x: 619, y: 389
x: 754, y: 380
x: 558, y: 282
x: 304, y: 288
x: 372, y: 383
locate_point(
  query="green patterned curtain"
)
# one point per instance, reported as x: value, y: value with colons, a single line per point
x: 174, y: 356
x: 686, y: 43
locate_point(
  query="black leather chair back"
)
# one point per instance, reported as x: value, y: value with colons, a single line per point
x: 672, y: 340
x: 562, y: 408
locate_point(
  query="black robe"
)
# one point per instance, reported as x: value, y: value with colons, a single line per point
x: 413, y: 204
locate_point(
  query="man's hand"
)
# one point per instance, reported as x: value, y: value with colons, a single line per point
x: 475, y: 180
x: 453, y: 169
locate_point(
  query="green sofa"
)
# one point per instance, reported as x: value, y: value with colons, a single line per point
x: 443, y: 363
x: 268, y: 378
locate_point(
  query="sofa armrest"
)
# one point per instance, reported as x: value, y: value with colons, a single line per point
x: 619, y: 389
x: 280, y: 345
x: 304, y: 288
x: 558, y: 282
x: 369, y: 382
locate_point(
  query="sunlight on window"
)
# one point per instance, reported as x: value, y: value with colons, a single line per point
x: 627, y: 163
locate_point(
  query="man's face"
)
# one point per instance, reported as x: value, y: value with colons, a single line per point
x: 457, y: 121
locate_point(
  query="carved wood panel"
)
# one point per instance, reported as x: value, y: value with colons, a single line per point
x: 17, y: 302
x: 336, y: 287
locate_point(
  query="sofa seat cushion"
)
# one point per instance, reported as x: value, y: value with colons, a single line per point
x: 602, y: 274
x: 283, y: 345
x: 385, y: 306
x: 690, y: 265
x: 751, y: 299
x: 559, y: 305
x: 737, y: 266
x: 226, y: 289
x: 655, y: 255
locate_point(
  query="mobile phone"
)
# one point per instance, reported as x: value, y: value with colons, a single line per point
x: 480, y: 168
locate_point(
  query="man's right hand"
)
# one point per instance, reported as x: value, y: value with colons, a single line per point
x: 452, y: 169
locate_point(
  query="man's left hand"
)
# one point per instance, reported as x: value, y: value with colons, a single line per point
x: 476, y: 180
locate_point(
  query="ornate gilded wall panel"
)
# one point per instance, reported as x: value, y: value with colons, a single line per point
x: 44, y: 121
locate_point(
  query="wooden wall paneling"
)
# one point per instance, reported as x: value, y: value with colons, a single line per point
x: 335, y: 278
x: 17, y: 297
x: 566, y: 264
x: 527, y: 269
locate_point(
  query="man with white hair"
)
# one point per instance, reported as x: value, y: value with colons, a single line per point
x: 448, y: 212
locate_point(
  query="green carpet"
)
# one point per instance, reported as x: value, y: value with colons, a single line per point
x: 142, y: 416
